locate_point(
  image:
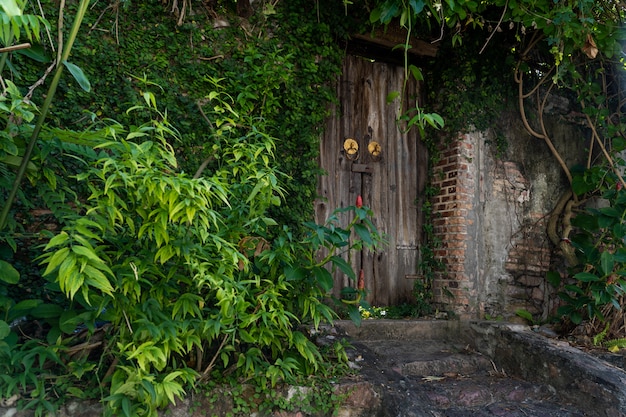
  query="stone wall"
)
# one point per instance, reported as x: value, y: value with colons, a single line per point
x: 491, y: 215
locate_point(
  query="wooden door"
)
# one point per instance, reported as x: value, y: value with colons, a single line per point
x: 390, y: 183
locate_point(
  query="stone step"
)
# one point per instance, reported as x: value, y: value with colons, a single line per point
x: 452, y: 365
x: 482, y: 369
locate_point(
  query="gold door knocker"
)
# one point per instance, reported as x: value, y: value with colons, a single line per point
x: 351, y: 148
x: 374, y: 149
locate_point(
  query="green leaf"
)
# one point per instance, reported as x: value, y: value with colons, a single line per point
x: 86, y: 252
x: 295, y: 273
x: 17, y: 161
x: 364, y: 234
x: 46, y: 311
x: 97, y: 279
x: 68, y: 321
x: 554, y: 278
x: 389, y: 11
x: 586, y: 277
x: 620, y: 255
x: 324, y: 278
x: 417, y: 5
x: 375, y: 15
x: 575, y: 289
x: 585, y: 221
x: 5, y: 329
x: 611, y: 212
x: 8, y: 273
x: 57, y: 240
x: 26, y: 305
x: 355, y: 315
x: 78, y: 75
x: 344, y: 266
x: 576, y: 317
x: 580, y: 186
x: 525, y: 314
x: 392, y: 96
x: 416, y: 72
x: 606, y: 262
x: 56, y: 259
x: 36, y: 53
x: 11, y: 8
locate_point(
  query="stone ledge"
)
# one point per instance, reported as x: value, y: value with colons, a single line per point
x: 591, y: 383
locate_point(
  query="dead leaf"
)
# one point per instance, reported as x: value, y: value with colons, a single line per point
x: 590, y: 49
x: 431, y: 378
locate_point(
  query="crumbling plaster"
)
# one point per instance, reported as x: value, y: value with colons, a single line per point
x: 507, y: 249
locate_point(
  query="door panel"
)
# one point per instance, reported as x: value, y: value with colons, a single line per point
x: 390, y: 182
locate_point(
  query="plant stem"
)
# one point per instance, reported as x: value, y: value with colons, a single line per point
x: 80, y: 14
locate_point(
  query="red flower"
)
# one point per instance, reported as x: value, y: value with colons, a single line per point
x: 361, y: 285
x: 619, y: 186
x: 359, y: 201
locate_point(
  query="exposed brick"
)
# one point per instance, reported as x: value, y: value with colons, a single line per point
x: 530, y: 281
x: 455, y: 244
x: 456, y: 253
x: 516, y: 292
x: 537, y: 294
x: 456, y: 268
x: 460, y: 230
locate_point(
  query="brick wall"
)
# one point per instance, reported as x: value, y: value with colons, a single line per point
x: 492, y: 232
x: 455, y: 176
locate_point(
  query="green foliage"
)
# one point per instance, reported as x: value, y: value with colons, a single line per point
x: 599, y: 338
x: 180, y: 269
x: 599, y: 278
x: 429, y: 265
x: 181, y: 265
x: 470, y: 90
x: 335, y: 242
x: 280, y: 64
x: 401, y: 311
x: 565, y: 26
x: 16, y: 25
x: 526, y: 315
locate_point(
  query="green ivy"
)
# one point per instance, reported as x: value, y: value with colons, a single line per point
x: 471, y: 90
x: 282, y: 63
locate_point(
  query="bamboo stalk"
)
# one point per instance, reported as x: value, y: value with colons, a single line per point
x: 80, y: 14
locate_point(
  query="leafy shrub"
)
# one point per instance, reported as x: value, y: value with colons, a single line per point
x: 597, y: 283
x: 182, y: 268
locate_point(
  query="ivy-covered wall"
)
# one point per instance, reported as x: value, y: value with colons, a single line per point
x: 277, y: 63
